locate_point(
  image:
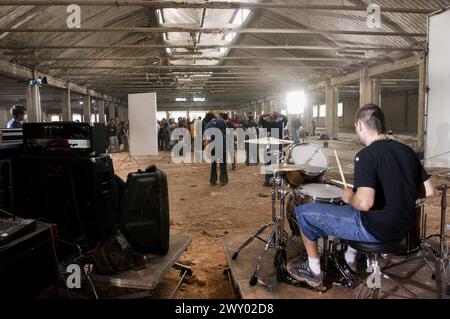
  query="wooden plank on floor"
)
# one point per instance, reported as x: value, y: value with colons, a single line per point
x: 243, y: 267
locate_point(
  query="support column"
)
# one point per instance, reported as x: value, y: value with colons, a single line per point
x: 34, y: 110
x: 87, y: 108
x: 307, y: 117
x: 422, y: 101
x: 376, y: 91
x: 365, y: 88
x: 112, y: 111
x: 66, y: 106
x: 4, y: 117
x: 331, y: 119
x: 101, y: 110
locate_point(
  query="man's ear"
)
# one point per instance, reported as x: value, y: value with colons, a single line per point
x: 358, y: 126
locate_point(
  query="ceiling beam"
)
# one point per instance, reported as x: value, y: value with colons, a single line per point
x: 208, y: 5
x: 194, y: 57
x: 22, y: 73
x: 184, y: 67
x: 209, y: 46
x: 378, y: 70
x: 213, y: 30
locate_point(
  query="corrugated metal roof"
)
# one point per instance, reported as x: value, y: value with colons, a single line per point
x: 114, y: 76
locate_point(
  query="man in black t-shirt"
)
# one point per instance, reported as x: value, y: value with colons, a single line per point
x: 381, y: 207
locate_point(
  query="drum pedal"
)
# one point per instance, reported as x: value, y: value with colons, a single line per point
x: 293, y: 282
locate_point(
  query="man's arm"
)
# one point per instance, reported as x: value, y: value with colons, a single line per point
x: 363, y: 200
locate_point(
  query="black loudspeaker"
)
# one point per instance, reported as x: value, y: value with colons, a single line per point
x: 28, y: 264
x: 100, y: 140
x: 79, y: 194
x: 144, y: 217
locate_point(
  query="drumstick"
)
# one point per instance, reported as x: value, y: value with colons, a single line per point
x: 340, y: 183
x: 340, y: 169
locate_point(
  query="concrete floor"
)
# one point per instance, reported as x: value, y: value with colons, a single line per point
x: 208, y: 214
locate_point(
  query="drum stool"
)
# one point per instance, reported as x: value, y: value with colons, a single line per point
x: 373, y: 252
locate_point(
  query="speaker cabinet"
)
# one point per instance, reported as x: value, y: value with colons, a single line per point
x: 145, y: 211
x: 79, y: 194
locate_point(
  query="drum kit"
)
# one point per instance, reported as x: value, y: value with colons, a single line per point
x: 303, y: 170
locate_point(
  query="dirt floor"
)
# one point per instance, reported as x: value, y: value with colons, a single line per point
x: 207, y: 213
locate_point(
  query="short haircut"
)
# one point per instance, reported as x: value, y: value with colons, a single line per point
x: 224, y: 116
x: 17, y: 110
x: 373, y: 117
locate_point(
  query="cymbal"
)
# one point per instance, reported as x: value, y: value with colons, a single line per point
x: 269, y: 141
x: 274, y: 168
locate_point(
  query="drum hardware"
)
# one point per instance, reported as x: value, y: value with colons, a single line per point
x: 441, y: 269
x: 278, y: 237
x: 348, y: 279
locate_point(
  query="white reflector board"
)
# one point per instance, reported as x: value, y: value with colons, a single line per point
x: 437, y: 142
x: 143, y: 124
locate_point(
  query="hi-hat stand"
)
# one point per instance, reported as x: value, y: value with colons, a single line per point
x: 278, y: 237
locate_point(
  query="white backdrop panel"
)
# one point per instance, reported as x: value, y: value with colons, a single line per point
x: 438, y: 114
x: 142, y: 121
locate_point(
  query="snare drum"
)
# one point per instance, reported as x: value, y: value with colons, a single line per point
x: 311, y: 193
x: 314, y: 161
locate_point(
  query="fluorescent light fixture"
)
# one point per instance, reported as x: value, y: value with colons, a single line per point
x: 180, y: 99
x: 296, y: 102
x: 160, y: 17
x: 199, y: 99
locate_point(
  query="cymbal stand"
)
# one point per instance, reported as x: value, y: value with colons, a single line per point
x: 441, y: 270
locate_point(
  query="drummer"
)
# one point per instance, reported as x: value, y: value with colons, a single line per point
x: 274, y: 124
x: 388, y: 179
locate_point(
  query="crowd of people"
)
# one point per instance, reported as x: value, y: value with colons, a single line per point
x: 275, y: 124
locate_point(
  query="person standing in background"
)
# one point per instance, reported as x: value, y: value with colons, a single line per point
x: 274, y: 124
x: 212, y: 122
x: 251, y: 131
x: 18, y: 115
x: 296, y: 128
x: 112, y: 134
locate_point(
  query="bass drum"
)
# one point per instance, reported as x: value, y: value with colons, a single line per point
x: 310, y: 193
x: 312, y: 158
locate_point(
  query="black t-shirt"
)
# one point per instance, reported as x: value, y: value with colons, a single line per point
x: 112, y: 130
x: 274, y: 129
x: 395, y: 172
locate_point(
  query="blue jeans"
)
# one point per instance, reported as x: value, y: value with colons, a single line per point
x: 321, y: 220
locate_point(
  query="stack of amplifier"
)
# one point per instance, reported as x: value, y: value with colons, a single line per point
x: 64, y: 181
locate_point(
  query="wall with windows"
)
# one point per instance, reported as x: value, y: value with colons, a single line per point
x: 400, y: 110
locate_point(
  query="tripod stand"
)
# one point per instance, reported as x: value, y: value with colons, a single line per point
x: 129, y: 157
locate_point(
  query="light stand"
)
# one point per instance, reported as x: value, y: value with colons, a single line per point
x: 129, y: 157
